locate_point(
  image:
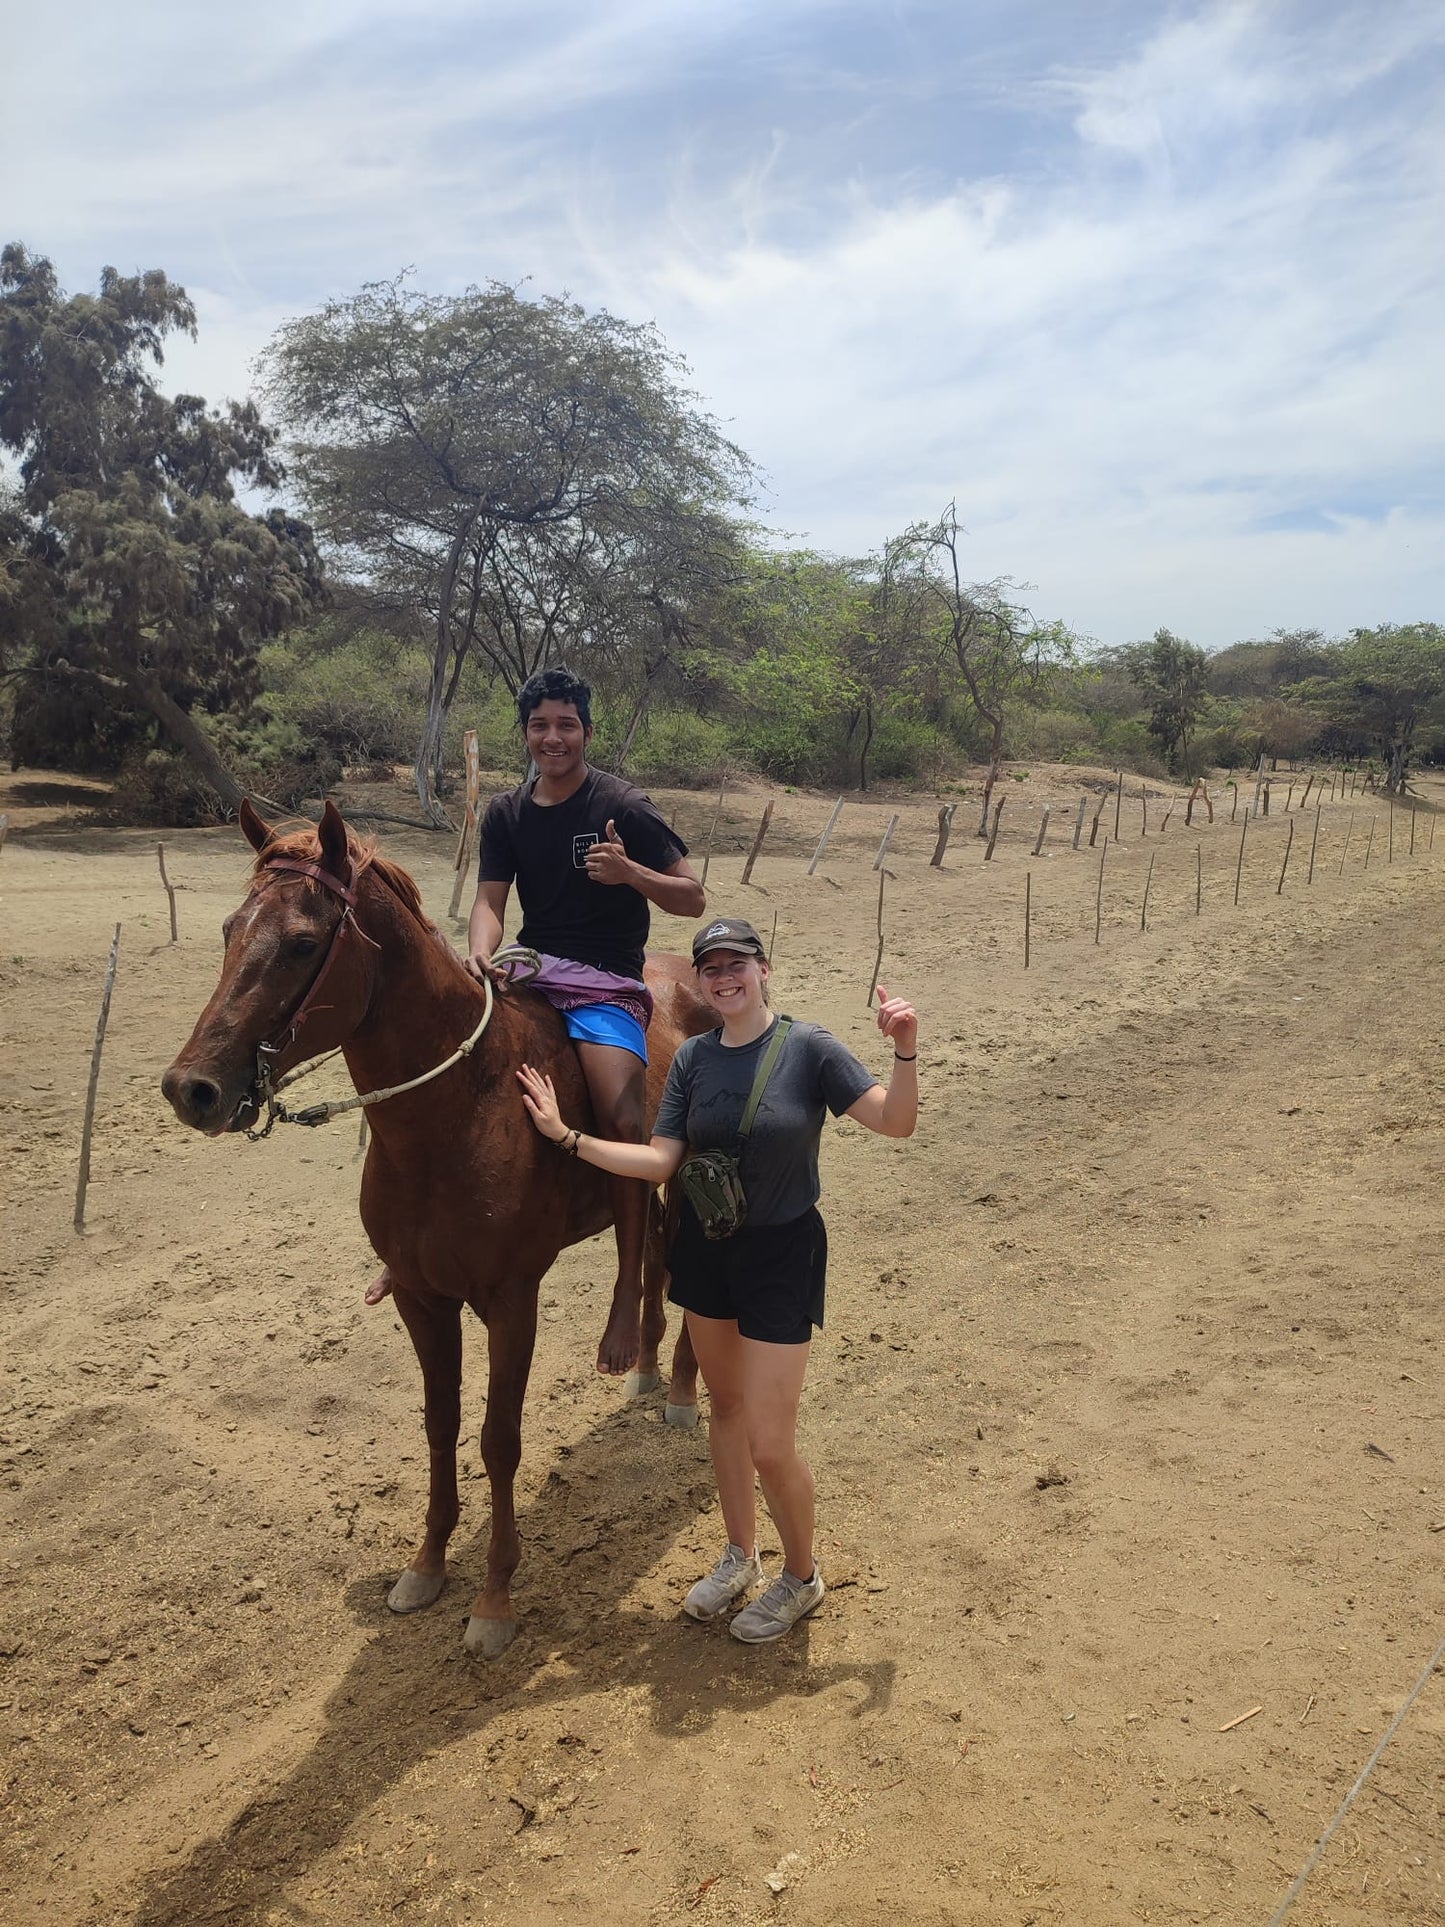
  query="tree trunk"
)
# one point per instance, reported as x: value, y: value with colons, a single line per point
x: 187, y: 733
x: 429, y: 749
x: 995, y: 769
x: 638, y: 712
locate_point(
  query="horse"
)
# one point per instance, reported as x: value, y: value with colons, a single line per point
x: 462, y: 1200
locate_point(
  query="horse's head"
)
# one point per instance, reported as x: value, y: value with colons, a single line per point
x: 294, y: 925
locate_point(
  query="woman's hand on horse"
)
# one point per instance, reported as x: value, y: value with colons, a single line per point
x: 541, y: 1101
x: 898, y: 1020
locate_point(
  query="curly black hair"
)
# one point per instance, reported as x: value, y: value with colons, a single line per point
x: 557, y: 685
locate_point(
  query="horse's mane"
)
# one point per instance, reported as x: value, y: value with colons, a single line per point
x: 305, y: 844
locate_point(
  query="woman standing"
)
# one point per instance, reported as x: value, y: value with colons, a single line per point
x: 752, y: 1299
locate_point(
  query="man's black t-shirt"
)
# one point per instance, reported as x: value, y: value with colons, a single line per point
x: 543, y: 849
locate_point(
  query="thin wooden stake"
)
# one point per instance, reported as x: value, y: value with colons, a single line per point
x: 1313, y: 842
x: 827, y: 832
x: 945, y: 826
x: 758, y: 841
x: 1265, y: 800
x: 1079, y: 819
x: 1288, y: 846
x: 772, y: 939
x: 712, y: 830
x: 1144, y: 911
x: 1198, y: 878
x: 1308, y: 787
x: 993, y: 833
x: 83, y: 1180
x: 1349, y: 825
x: 169, y: 887
x: 1431, y: 844
x: 1099, y: 893
x: 1289, y: 797
x: 1239, y: 866
x: 1094, y: 826
x: 878, y: 960
x: 887, y: 839
x: 1234, y: 807
x: 1118, y: 804
x: 1370, y: 839
x: 1168, y: 813
x: 1043, y: 830
x: 1412, y: 829
x: 1144, y: 799
x: 1391, y: 856
x: 1028, y: 911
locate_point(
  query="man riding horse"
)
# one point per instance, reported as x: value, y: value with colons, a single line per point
x: 588, y: 853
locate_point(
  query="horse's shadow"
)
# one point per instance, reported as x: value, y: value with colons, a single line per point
x: 411, y: 1692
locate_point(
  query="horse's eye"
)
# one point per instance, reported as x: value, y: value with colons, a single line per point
x: 303, y: 946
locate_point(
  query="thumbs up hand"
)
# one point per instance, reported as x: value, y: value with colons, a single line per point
x: 608, y: 862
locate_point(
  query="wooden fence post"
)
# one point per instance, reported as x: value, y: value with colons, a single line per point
x: 470, y: 816
x: 993, y: 833
x: 1239, y: 866
x: 878, y: 960
x: 773, y: 938
x: 887, y: 839
x: 1265, y: 799
x: 1173, y: 799
x: 83, y: 1180
x: 1288, y: 846
x: 945, y: 826
x: 1028, y: 912
x: 1099, y: 893
x: 1079, y: 820
x: 1149, y: 878
x: 827, y: 832
x: 1390, y: 858
x: 1289, y: 794
x: 712, y: 830
x: 758, y: 844
x: 1118, y: 803
x: 1234, y: 807
x: 169, y: 887
x: 1370, y: 839
x: 1313, y: 841
x: 1043, y: 830
x: 1349, y: 825
x: 1198, y: 878
x: 1094, y: 826
x: 1412, y: 829
x: 1144, y: 799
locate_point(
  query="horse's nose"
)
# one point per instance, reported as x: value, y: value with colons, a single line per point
x: 195, y: 1099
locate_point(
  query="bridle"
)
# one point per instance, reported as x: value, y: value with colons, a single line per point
x: 268, y: 1089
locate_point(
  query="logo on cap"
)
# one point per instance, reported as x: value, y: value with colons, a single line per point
x: 717, y: 930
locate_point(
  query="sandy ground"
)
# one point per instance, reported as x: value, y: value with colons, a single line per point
x: 1127, y: 1420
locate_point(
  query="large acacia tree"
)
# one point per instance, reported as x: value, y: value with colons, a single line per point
x: 126, y: 561
x: 534, y: 476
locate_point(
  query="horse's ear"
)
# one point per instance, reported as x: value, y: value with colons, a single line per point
x: 335, y: 857
x: 254, y: 827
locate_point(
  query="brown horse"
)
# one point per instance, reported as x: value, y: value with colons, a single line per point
x: 463, y: 1201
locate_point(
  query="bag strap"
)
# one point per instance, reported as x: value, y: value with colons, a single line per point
x: 764, y: 1072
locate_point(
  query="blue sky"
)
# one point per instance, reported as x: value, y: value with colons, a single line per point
x: 1154, y: 292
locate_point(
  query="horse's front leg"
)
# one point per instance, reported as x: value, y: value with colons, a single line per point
x: 435, y: 1328
x: 511, y: 1334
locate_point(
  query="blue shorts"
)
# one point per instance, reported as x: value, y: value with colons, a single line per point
x: 607, y: 1024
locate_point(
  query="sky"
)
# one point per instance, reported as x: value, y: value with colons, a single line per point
x: 1155, y: 293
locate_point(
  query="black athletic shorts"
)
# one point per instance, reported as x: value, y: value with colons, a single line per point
x: 769, y: 1277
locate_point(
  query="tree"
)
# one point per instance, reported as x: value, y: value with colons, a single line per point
x: 1003, y: 656
x: 124, y: 556
x: 1384, y: 684
x: 534, y: 476
x: 1174, y: 677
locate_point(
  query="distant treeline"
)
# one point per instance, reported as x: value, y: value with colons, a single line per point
x: 479, y: 485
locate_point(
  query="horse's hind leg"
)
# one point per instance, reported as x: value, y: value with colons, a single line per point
x: 511, y: 1333
x: 646, y: 1376
x: 435, y: 1328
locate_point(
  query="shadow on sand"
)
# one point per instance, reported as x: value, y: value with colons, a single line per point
x: 619, y: 1498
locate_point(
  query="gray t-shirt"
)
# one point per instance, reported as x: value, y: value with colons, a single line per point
x: 707, y: 1092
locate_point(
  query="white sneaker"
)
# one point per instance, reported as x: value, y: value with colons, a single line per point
x: 777, y: 1610
x: 734, y: 1574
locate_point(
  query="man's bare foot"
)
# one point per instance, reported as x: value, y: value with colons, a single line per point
x: 378, y: 1289
x: 622, y: 1340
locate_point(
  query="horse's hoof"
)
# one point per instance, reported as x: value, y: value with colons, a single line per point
x: 488, y: 1638
x: 639, y: 1384
x: 684, y: 1417
x: 415, y: 1590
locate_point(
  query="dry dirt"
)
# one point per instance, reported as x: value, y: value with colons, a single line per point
x: 1127, y: 1421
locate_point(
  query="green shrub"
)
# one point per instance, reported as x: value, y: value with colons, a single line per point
x: 906, y: 749
x: 681, y: 749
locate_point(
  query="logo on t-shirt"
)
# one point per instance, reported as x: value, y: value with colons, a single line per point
x: 581, y: 845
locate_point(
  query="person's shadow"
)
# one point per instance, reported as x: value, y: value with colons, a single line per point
x: 605, y: 1516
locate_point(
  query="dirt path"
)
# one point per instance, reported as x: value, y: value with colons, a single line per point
x: 1128, y: 1419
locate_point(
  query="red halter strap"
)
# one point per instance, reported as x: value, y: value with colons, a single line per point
x: 346, y: 891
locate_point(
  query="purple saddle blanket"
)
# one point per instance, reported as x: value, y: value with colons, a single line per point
x: 569, y: 986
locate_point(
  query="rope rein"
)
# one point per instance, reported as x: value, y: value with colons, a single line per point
x: 517, y: 964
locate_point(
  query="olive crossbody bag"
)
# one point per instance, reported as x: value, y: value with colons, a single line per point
x: 712, y: 1180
